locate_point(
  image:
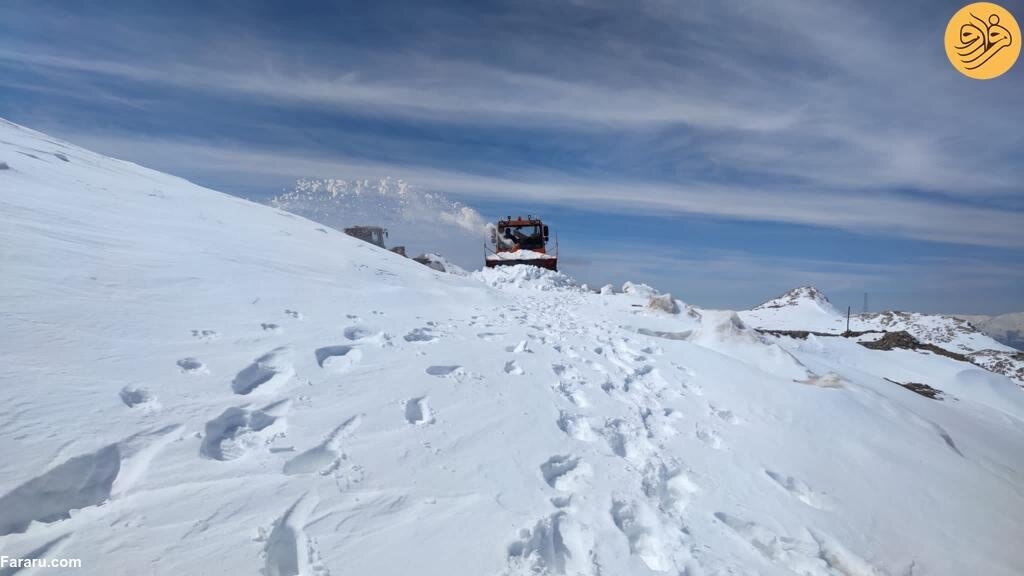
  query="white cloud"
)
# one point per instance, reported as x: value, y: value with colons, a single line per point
x: 866, y: 212
x: 818, y: 114
x: 783, y: 92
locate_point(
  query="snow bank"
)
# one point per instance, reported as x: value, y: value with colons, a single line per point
x: 663, y: 302
x: 519, y: 255
x: 526, y: 277
x: 724, y: 332
x: 994, y: 390
x: 638, y: 289
x: 441, y: 264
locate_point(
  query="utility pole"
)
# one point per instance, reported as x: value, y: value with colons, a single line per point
x: 848, y: 308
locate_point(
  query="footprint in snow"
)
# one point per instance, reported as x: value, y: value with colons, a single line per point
x: 565, y: 473
x: 239, y: 430
x: 205, y: 335
x: 418, y: 412
x: 338, y: 358
x: 799, y: 490
x: 132, y: 397
x: 365, y: 335
x: 638, y: 523
x: 575, y: 426
x: 294, y: 314
x: 723, y: 415
x: 420, y: 335
x: 670, y: 488
x: 191, y: 366
x: 708, y: 436
x: 271, y: 327
x: 555, y: 544
x: 512, y: 367
x: 444, y: 371
x: 269, y: 372
x: 357, y: 332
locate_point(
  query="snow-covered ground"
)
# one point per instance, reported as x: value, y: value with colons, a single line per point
x: 196, y: 384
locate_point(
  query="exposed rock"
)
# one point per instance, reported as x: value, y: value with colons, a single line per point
x: 922, y: 389
x: 903, y: 339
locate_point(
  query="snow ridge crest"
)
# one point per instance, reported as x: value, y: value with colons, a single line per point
x: 800, y: 296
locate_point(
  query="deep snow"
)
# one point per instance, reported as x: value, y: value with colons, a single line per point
x: 196, y: 384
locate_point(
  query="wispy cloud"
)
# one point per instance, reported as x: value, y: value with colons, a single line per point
x: 830, y: 97
x: 441, y: 91
x: 926, y: 219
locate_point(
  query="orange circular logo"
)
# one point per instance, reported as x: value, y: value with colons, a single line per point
x: 982, y: 40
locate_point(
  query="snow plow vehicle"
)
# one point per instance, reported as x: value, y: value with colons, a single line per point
x: 521, y: 241
x: 374, y: 235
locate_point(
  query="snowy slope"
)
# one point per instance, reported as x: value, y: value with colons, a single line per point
x: 807, y: 308
x: 195, y: 384
x: 422, y: 221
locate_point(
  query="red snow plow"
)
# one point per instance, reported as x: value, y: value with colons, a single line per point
x: 521, y: 241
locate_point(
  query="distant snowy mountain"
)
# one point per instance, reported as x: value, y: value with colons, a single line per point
x: 422, y: 221
x: 807, y: 309
x: 802, y: 297
x: 196, y: 384
x: 1006, y: 328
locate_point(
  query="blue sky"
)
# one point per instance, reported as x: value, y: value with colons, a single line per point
x: 725, y: 151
